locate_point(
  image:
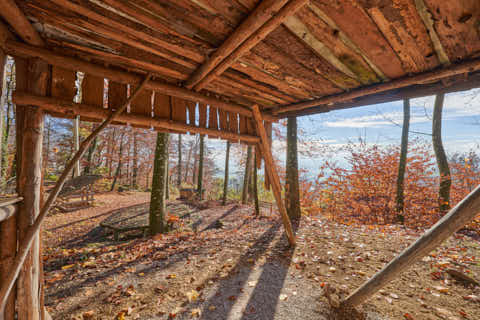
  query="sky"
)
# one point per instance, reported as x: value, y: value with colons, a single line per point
x: 381, y: 124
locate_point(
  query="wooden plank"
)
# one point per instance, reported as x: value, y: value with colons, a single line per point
x: 464, y: 212
x: 271, y: 170
x: 265, y: 10
x: 289, y: 9
x: 93, y: 90
x: 223, y: 120
x: 212, y: 118
x: 456, y: 23
x: 192, y: 112
x: 202, y: 111
x: 143, y: 103
x: 179, y: 110
x: 157, y: 123
x: 243, y: 125
x: 63, y: 83
x: 233, y: 122
x: 161, y: 106
x: 349, y: 15
x: 117, y: 93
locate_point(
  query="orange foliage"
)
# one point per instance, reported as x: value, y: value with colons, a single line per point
x: 364, y: 190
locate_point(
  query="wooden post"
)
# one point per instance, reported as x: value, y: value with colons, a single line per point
x: 272, y: 173
x: 463, y: 213
x: 8, y: 228
x: 30, y: 234
x: 32, y: 74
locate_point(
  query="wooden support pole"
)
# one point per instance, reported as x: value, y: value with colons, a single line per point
x: 92, y: 112
x: 32, y: 232
x: 288, y: 10
x: 15, y: 48
x: 422, y: 78
x: 464, y: 212
x: 262, y: 13
x: 272, y: 173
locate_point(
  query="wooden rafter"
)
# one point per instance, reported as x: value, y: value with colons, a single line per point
x: 19, y: 49
x: 270, y: 169
x: 264, y: 11
x: 288, y: 10
x: 456, y: 85
x: 426, y: 77
x: 15, y: 17
x: 70, y: 108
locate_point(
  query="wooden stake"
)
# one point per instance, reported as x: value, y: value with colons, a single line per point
x: 272, y: 173
x: 92, y: 112
x: 463, y: 213
x: 33, y: 230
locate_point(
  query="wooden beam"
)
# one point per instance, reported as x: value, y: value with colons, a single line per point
x: 288, y: 10
x: 15, y: 17
x: 270, y: 168
x: 463, y: 213
x: 72, y: 109
x: 23, y: 50
x: 262, y: 13
x: 30, y: 234
x: 426, y: 77
x: 418, y: 91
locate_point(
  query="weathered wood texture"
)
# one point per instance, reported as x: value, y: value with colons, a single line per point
x: 271, y: 170
x: 459, y: 216
x: 157, y: 122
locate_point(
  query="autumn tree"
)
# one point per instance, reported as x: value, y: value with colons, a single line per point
x: 179, y: 165
x: 159, y: 185
x: 402, y: 165
x: 225, y: 181
x: 442, y: 162
x: 247, y: 175
x: 255, y: 186
x: 119, y: 165
x: 292, y: 189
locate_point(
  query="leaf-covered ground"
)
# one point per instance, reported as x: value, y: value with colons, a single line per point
x: 236, y: 266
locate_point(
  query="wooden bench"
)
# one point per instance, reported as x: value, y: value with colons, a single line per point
x: 77, y: 193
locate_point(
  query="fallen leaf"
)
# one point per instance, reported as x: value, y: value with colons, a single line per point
x: 192, y: 295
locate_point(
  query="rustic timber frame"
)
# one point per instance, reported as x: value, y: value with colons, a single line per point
x: 223, y: 68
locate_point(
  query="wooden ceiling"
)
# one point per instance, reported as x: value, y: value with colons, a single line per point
x: 291, y: 57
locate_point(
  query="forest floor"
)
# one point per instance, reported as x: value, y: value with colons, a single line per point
x: 237, y: 266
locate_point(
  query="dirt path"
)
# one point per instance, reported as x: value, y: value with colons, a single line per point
x: 236, y: 266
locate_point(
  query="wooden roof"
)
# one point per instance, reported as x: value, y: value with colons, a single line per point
x: 290, y: 57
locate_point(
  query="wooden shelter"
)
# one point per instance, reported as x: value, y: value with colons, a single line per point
x: 224, y: 68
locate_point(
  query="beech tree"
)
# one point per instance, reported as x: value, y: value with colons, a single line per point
x: 200, y: 167
x: 292, y: 190
x: 402, y: 165
x: 179, y: 165
x: 247, y: 175
x: 442, y: 162
x: 225, y: 181
x: 159, y: 185
x: 255, y: 186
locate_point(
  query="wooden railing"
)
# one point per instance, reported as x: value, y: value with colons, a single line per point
x: 8, y: 207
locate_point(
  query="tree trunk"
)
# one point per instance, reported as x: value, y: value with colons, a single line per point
x: 195, y: 163
x: 110, y: 149
x: 30, y: 122
x: 200, y: 167
x: 225, y: 180
x: 179, y: 166
x: 292, y: 190
x: 91, y: 151
x: 8, y: 120
x: 402, y: 165
x: 135, y: 160
x: 159, y: 185
x: 8, y: 228
x: 76, y: 143
x: 247, y: 175
x: 442, y: 162
x: 119, y: 166
x: 187, y: 164
x: 255, y: 186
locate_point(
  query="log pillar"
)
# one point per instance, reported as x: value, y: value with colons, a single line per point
x: 8, y: 228
x: 32, y: 75
x: 271, y: 171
